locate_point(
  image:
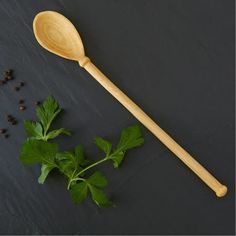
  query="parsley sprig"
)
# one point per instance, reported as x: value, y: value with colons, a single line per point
x: 37, y: 149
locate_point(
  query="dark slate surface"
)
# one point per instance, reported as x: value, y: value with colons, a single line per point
x: 175, y: 59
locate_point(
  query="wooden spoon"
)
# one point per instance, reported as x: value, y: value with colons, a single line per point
x: 57, y: 34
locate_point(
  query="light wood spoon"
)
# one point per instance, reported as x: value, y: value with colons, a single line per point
x: 57, y: 34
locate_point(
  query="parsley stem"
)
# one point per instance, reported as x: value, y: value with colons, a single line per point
x: 85, y: 169
x: 91, y: 166
x: 82, y: 179
x: 74, y: 179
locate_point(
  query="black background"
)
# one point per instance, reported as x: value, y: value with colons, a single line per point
x: 176, y: 60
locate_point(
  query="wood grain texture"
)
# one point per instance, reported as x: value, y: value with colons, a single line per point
x: 150, y: 49
x: 56, y: 33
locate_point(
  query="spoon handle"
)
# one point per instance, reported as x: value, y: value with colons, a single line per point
x: 184, y: 156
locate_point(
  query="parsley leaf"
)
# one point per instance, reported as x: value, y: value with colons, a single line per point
x: 33, y: 129
x: 79, y: 192
x: 99, y: 197
x: 45, y: 169
x: 37, y: 151
x: 47, y: 112
x: 103, y: 144
x: 79, y: 154
x: 131, y: 137
x: 69, y: 161
x: 66, y: 163
x: 97, y: 179
x: 117, y: 158
x: 53, y: 134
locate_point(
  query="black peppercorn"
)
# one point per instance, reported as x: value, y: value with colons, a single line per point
x: 21, y: 101
x: 8, y: 72
x: 3, y: 131
x: 8, y: 77
x: 22, y: 84
x: 9, y: 119
x: 14, y: 122
x: 22, y: 108
x: 9, y: 116
x: 6, y: 136
x: 2, y: 82
x: 37, y: 103
x: 17, y: 88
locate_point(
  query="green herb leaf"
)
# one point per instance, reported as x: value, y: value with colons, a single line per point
x: 99, y: 197
x: 131, y: 137
x: 47, y: 112
x: 45, y: 169
x: 33, y: 129
x: 79, y: 154
x: 79, y: 192
x: 85, y: 163
x: 36, y: 151
x: 66, y: 163
x: 118, y: 158
x: 69, y: 162
x: 54, y: 133
x: 97, y: 179
x: 103, y: 144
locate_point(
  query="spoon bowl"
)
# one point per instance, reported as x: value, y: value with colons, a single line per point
x: 58, y: 35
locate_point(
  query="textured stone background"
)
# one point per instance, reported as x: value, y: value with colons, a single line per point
x: 175, y: 59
